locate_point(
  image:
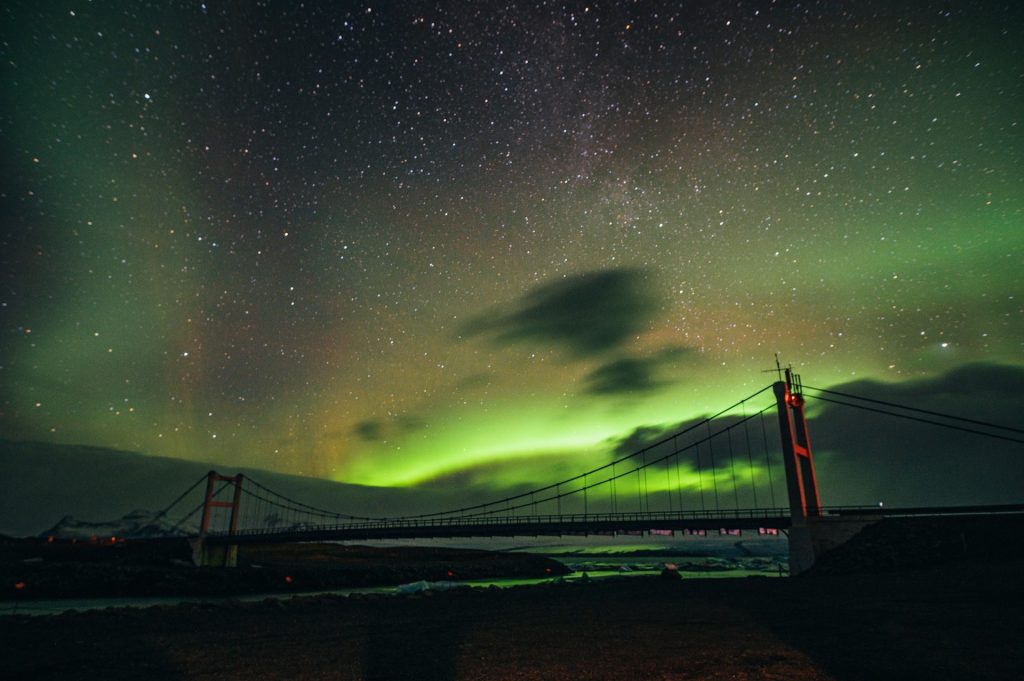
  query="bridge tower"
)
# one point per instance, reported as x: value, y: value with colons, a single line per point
x: 811, y: 533
x: 220, y: 555
x: 801, y: 482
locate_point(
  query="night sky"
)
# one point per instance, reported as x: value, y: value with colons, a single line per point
x: 392, y: 243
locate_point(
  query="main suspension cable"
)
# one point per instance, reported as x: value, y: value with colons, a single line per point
x: 919, y: 419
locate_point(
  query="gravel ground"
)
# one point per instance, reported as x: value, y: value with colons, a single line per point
x: 956, y: 622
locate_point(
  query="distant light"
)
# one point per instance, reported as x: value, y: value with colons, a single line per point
x: 19, y: 585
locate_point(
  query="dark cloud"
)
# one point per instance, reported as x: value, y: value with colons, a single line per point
x: 409, y: 423
x: 377, y: 430
x: 475, y: 381
x: 493, y: 476
x: 645, y: 436
x: 584, y: 315
x: 864, y: 456
x: 632, y: 375
x: 370, y: 430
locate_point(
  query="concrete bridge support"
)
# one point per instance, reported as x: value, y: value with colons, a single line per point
x: 814, y: 536
x: 206, y: 554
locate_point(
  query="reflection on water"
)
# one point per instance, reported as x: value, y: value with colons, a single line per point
x: 586, y: 566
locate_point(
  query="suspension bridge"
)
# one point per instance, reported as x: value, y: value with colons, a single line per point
x: 748, y: 467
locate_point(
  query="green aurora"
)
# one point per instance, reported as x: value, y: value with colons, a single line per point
x: 386, y: 245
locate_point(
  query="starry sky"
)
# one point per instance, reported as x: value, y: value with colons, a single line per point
x: 404, y: 243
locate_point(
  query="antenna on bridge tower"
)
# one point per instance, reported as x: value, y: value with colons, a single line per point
x: 777, y: 369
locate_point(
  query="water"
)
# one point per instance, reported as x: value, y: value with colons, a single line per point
x: 595, y: 564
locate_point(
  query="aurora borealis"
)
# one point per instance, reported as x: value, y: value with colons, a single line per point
x: 392, y: 243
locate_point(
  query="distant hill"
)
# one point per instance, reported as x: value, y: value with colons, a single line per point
x: 42, y: 483
x: 138, y: 523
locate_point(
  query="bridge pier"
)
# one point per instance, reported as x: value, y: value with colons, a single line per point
x: 206, y: 554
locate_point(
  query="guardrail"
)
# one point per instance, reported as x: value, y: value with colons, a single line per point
x: 496, y: 521
x: 481, y: 525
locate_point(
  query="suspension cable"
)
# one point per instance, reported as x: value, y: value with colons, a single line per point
x: 919, y: 419
x: 920, y: 411
x: 183, y: 495
x: 587, y: 486
x: 590, y: 472
x: 299, y: 504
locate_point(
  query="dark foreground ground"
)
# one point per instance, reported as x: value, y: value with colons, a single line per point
x: 961, y: 621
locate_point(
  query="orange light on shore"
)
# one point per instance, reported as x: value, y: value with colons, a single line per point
x: 19, y: 585
x: 287, y: 579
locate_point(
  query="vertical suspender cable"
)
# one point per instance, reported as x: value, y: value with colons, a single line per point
x: 750, y: 456
x: 732, y: 468
x: 615, y: 491
x: 700, y: 477
x: 714, y: 469
x: 767, y: 460
x: 679, y: 484
x: 646, y: 499
x: 586, y: 510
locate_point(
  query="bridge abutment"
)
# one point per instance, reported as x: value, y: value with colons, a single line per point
x: 812, y: 537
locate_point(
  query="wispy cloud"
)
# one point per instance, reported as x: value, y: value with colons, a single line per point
x: 633, y: 375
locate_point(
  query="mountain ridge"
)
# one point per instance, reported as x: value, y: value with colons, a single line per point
x: 41, y: 483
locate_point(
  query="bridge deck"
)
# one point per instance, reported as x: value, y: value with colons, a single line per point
x: 575, y: 525
x: 516, y: 526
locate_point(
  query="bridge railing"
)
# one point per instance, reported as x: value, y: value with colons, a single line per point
x: 540, y: 519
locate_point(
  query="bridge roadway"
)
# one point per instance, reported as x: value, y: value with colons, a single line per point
x: 515, y: 526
